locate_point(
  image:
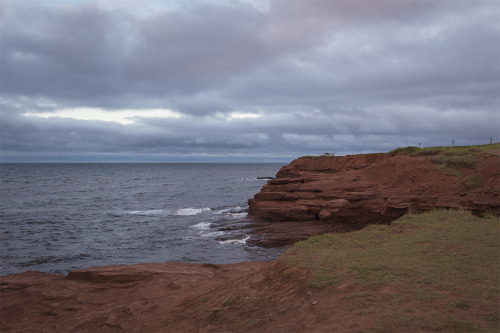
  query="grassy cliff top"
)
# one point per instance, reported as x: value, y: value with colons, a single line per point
x: 464, y: 151
x: 436, y: 271
x: 431, y: 151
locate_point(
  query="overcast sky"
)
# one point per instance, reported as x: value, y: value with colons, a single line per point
x: 244, y: 81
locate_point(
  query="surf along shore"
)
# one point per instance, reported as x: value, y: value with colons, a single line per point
x: 422, y: 255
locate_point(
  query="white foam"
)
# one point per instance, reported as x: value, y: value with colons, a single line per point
x: 190, y: 211
x: 228, y: 210
x: 235, y: 212
x: 248, y: 179
x: 146, y: 212
x: 238, y: 215
x: 202, y: 225
x: 235, y: 241
x: 213, y: 234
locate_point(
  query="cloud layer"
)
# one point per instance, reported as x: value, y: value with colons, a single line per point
x: 244, y: 80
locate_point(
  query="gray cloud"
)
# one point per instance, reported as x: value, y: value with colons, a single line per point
x: 299, y: 77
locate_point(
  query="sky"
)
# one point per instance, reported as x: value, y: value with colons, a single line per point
x: 244, y: 81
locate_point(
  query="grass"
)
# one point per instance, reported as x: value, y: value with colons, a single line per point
x: 229, y: 302
x: 443, y: 262
x: 448, y: 158
x: 446, y: 150
x: 453, y: 159
x: 473, y: 181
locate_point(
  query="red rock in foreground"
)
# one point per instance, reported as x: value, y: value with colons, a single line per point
x: 132, y: 298
x: 354, y: 191
x: 170, y: 297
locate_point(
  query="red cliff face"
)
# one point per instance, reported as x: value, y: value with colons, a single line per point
x: 375, y: 188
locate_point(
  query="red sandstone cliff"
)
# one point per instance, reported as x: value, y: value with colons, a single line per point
x: 376, y: 188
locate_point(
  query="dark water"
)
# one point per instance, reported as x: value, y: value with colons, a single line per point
x: 60, y: 217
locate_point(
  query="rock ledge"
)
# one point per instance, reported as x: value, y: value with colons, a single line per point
x: 353, y: 191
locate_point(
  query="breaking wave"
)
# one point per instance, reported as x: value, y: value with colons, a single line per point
x: 146, y: 212
x: 190, y: 211
x: 235, y: 241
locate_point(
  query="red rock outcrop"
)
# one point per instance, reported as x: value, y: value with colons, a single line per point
x: 132, y: 298
x: 357, y: 190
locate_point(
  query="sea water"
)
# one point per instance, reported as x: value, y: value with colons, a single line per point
x: 60, y: 217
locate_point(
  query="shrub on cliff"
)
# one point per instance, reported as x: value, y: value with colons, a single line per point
x: 410, y: 150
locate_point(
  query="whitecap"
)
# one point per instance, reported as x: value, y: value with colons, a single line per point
x: 190, y: 211
x: 213, y: 234
x: 145, y: 212
x: 238, y: 215
x: 259, y: 179
x: 202, y: 225
x: 235, y: 241
x: 235, y: 212
x: 229, y: 210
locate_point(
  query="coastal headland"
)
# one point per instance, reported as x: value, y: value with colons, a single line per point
x: 317, y: 194
x: 399, y: 270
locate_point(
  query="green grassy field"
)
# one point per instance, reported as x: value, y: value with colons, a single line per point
x: 436, y: 271
x: 446, y: 150
x: 450, y: 158
x: 454, y: 160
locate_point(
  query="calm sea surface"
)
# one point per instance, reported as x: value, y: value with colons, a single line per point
x: 60, y: 217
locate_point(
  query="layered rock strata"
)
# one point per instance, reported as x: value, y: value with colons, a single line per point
x: 374, y: 188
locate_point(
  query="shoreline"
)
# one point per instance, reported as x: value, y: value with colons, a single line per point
x: 277, y: 295
x: 291, y: 293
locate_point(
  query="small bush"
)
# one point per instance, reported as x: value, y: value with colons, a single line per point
x: 410, y: 150
x: 430, y: 151
x: 456, y: 161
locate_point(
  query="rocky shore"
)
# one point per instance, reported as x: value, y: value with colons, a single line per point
x: 320, y: 194
x: 312, y: 195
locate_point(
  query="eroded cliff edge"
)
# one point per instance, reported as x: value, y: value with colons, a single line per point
x: 353, y: 191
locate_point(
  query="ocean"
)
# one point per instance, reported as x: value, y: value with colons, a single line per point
x: 60, y: 217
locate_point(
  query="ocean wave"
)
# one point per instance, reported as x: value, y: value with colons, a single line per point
x: 238, y: 215
x: 202, y: 225
x: 213, y: 234
x: 179, y: 212
x: 235, y: 241
x: 146, y: 212
x: 190, y: 211
x: 229, y: 210
x: 236, y: 212
x: 260, y: 179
